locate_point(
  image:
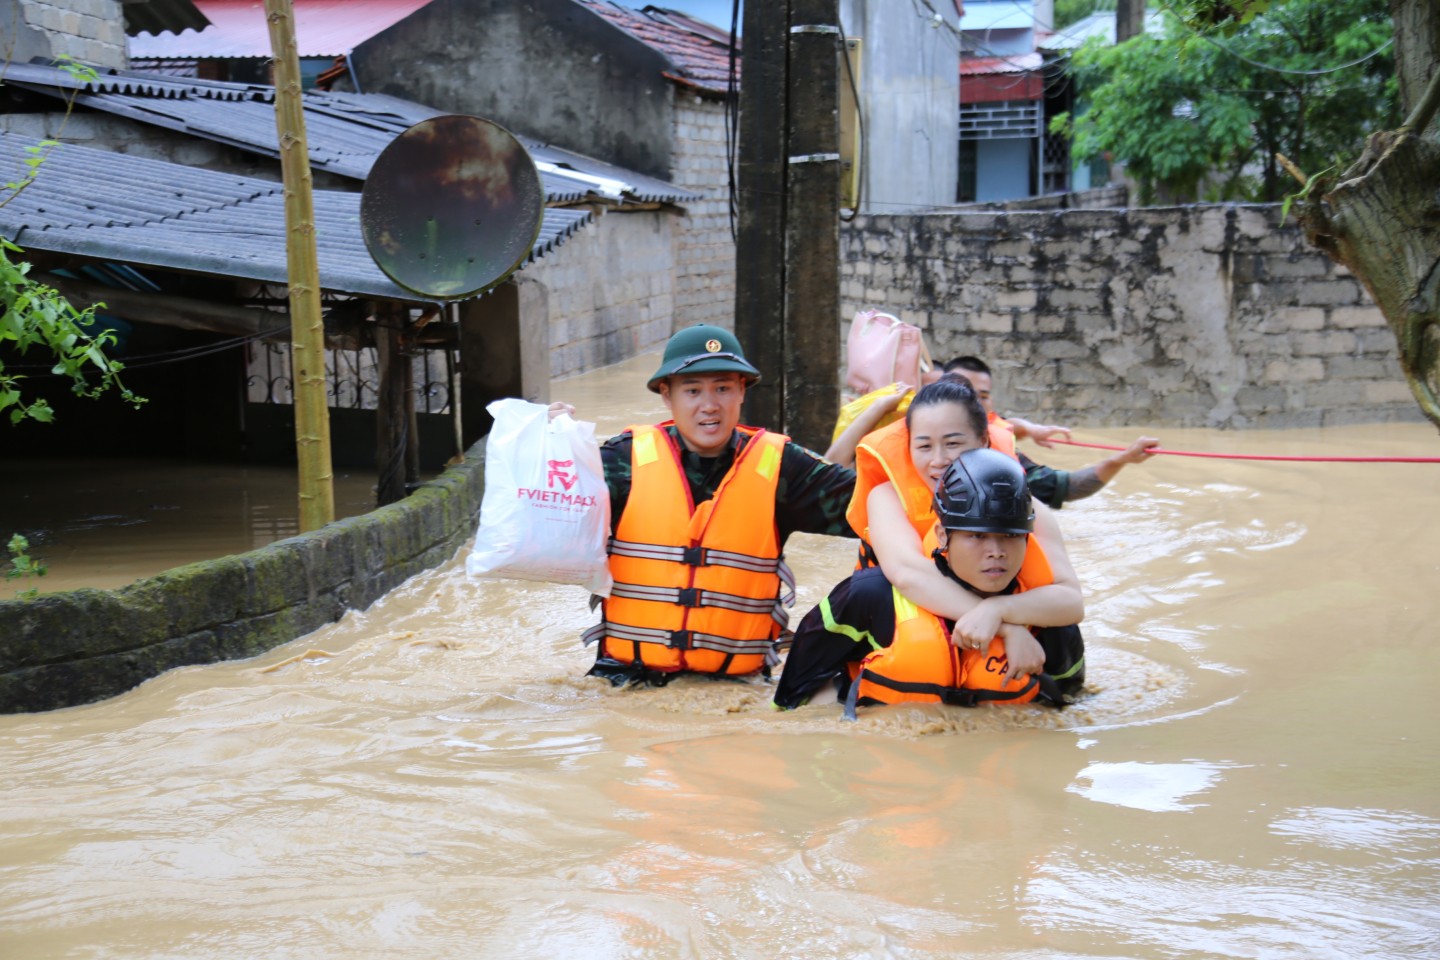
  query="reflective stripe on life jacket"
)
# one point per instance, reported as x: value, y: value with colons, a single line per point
x: 922, y: 665
x: 700, y: 588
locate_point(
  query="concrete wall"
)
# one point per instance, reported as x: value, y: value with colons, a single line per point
x: 1195, y: 316
x: 910, y: 104
x: 63, y: 649
x: 546, y: 68
x: 91, y: 31
x: 610, y: 290
x: 704, y: 249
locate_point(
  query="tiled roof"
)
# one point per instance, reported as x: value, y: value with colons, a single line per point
x: 323, y: 28
x: 111, y: 206
x: 699, y: 51
x: 345, y: 131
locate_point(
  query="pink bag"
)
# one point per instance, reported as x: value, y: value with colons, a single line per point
x: 882, y: 350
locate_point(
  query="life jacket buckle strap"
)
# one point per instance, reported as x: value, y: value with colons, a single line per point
x: 696, y: 557
x: 680, y: 639
x: 688, y: 597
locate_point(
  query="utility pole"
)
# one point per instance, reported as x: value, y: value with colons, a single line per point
x: 1129, y: 19
x: 307, y: 326
x: 787, y: 286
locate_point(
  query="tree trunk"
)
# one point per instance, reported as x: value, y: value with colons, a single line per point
x: 1381, y: 217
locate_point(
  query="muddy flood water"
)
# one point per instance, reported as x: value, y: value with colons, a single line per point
x: 1254, y: 770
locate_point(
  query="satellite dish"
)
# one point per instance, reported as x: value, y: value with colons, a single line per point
x: 451, y: 207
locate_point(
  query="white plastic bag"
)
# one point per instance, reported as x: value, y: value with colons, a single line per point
x: 546, y: 510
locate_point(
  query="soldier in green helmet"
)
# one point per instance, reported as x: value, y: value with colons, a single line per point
x: 701, y: 507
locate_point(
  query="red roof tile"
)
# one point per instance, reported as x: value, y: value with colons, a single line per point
x: 700, y: 51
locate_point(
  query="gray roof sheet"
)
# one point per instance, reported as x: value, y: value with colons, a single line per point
x: 345, y: 131
x: 111, y: 206
x: 158, y: 16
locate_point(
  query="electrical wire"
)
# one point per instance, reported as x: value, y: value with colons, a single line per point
x: 732, y: 119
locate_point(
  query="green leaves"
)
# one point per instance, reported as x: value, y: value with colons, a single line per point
x: 23, y: 566
x: 35, y: 315
x: 1200, y: 112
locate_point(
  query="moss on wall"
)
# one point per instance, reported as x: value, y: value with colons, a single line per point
x: 64, y: 649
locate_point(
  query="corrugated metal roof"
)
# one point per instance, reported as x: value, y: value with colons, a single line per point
x: 1016, y: 63
x: 345, y: 131
x: 323, y: 28
x: 111, y: 206
x: 158, y: 16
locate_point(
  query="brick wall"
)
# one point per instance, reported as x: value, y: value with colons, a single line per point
x: 705, y: 252
x: 1195, y: 316
x: 610, y: 290
x: 91, y: 31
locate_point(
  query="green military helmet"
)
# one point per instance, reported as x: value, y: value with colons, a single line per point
x: 703, y: 349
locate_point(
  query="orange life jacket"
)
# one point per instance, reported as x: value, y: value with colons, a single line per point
x: 883, y: 456
x: 1002, y: 435
x: 697, y: 587
x: 922, y: 665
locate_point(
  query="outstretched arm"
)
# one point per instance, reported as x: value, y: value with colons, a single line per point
x: 1089, y: 480
x: 842, y: 450
x: 1042, y: 433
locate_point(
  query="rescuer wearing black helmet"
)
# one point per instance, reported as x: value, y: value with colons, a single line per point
x: 981, y: 539
x: 983, y: 506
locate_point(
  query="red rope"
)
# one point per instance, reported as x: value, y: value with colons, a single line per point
x: 1256, y: 456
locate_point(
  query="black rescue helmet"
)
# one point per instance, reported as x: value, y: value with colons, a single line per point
x: 984, y: 490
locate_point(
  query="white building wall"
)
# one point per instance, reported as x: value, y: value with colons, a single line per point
x: 909, y: 102
x: 609, y: 290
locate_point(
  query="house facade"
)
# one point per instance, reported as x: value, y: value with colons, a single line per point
x: 642, y: 90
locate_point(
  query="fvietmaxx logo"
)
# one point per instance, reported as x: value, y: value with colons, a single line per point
x: 562, y: 475
x: 559, y: 471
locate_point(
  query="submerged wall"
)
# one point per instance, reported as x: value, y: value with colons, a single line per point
x: 64, y: 649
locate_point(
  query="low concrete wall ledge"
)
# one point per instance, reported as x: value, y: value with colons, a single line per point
x: 79, y: 646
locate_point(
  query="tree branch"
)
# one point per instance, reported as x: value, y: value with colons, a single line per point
x: 1424, y: 111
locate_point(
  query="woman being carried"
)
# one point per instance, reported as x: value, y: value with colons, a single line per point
x: 898, y: 470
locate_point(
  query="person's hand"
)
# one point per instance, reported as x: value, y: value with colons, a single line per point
x: 978, y: 627
x: 1045, y: 434
x: 887, y: 402
x: 1042, y: 433
x: 559, y: 407
x: 1139, y: 451
x: 1023, y: 652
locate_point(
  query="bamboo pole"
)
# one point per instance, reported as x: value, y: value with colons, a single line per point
x: 307, y: 327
